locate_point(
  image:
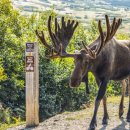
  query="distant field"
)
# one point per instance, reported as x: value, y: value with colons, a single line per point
x: 84, y: 11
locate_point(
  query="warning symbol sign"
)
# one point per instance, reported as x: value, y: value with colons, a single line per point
x: 29, y: 63
x: 29, y: 47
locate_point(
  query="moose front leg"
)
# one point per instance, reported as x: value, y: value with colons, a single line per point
x: 105, y: 117
x: 101, y: 93
x: 128, y: 114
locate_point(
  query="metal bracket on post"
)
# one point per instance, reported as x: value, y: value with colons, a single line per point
x: 32, y: 84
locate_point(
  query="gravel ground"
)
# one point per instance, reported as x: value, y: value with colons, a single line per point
x: 79, y: 120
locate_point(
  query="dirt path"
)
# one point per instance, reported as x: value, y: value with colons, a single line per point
x: 80, y: 120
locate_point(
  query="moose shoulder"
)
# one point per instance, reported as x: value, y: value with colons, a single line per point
x: 107, y: 58
x: 113, y: 62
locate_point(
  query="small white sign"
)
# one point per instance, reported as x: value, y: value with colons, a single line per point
x: 29, y: 47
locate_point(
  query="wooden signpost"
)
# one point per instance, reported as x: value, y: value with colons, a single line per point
x: 32, y: 84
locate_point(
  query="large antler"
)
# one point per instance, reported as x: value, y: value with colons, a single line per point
x: 61, y: 37
x: 104, y: 37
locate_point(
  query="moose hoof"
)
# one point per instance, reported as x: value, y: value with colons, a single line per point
x: 121, y: 113
x: 128, y: 118
x: 105, y: 121
x: 121, y: 110
x: 92, y: 126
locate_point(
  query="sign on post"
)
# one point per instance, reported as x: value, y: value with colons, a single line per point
x: 29, y: 63
x: 32, y: 85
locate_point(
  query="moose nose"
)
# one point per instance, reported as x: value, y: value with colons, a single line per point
x: 74, y: 82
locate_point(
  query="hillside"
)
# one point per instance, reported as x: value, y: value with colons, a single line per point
x: 84, y: 11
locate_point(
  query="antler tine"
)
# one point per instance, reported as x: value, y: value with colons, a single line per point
x: 114, y: 29
x: 42, y: 39
x: 56, y: 32
x: 113, y: 26
x: 88, y: 50
x: 101, y: 44
x: 86, y: 47
x: 63, y: 23
x: 68, y: 23
x: 108, y: 27
x: 119, y: 23
x: 52, y: 35
x: 71, y: 24
x: 75, y: 26
x: 58, y: 27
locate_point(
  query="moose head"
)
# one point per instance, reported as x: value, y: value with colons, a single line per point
x: 85, y: 57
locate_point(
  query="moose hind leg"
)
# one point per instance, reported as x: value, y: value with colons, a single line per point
x: 101, y: 93
x: 121, y: 106
x: 128, y: 114
x: 106, y: 117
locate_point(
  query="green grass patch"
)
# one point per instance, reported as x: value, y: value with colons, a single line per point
x: 116, y: 99
x: 77, y: 117
x: 6, y: 126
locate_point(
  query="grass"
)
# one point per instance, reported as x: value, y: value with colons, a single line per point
x: 116, y: 99
x: 6, y: 126
x: 77, y: 117
x: 88, y: 111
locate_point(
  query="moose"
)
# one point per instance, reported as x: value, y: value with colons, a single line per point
x: 107, y: 58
